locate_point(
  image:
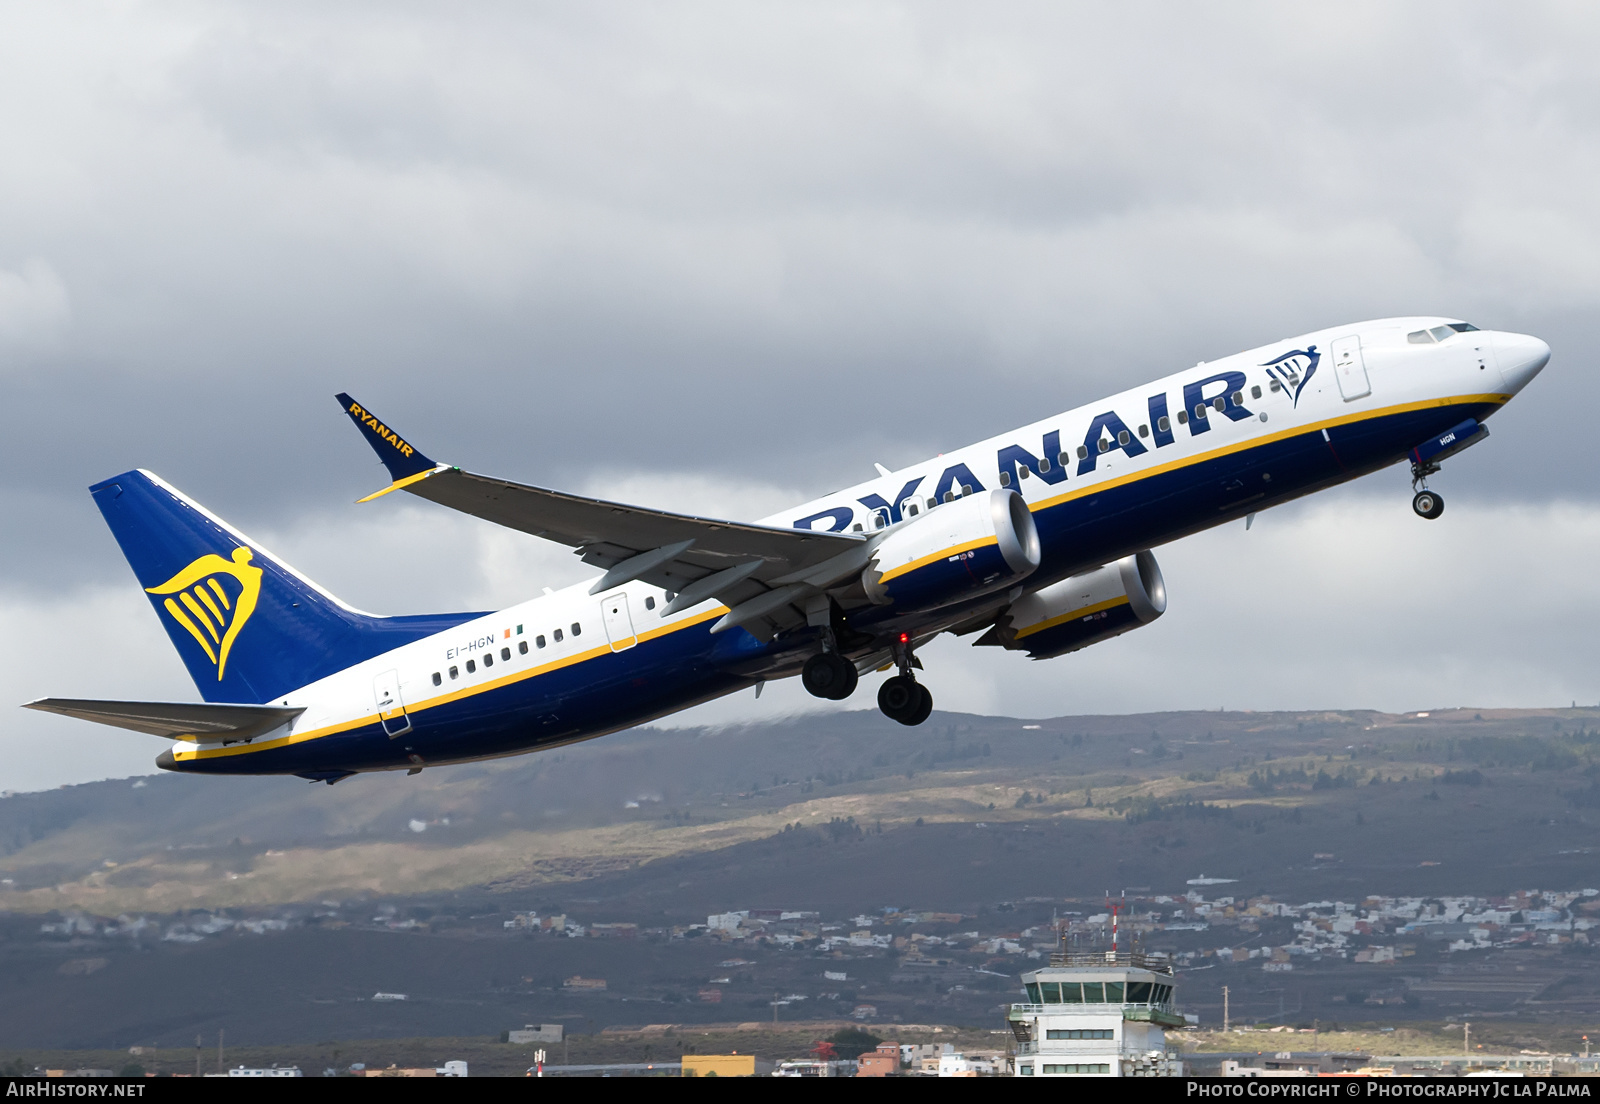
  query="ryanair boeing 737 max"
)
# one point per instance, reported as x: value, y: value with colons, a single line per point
x: 1036, y: 541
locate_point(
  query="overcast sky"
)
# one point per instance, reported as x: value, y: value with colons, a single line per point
x: 726, y: 256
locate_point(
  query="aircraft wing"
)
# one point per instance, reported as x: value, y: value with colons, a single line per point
x: 761, y: 572
x: 175, y: 720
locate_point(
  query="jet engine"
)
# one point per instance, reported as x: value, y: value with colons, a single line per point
x: 1083, y: 610
x: 954, y: 551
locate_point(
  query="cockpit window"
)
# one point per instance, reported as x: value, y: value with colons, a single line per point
x: 1439, y: 333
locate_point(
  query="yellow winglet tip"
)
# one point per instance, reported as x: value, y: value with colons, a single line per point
x: 400, y: 483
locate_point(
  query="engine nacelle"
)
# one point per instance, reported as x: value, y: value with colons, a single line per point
x: 955, y: 551
x: 1084, y: 609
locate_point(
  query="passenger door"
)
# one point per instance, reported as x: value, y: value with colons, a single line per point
x: 391, y: 710
x: 1350, y: 368
x: 619, y: 625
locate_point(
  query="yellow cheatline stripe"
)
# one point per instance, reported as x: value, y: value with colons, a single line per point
x: 397, y: 484
x: 1075, y: 615
x: 442, y: 699
x: 183, y: 619
x: 1267, y: 439
x: 924, y: 561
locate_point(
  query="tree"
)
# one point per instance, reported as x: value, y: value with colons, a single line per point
x: 852, y: 1042
x: 823, y: 1051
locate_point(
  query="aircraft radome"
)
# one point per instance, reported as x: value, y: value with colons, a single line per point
x: 1037, y: 541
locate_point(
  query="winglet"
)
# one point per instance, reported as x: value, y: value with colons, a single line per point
x: 406, y: 464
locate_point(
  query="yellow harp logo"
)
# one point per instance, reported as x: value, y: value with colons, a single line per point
x: 204, y: 605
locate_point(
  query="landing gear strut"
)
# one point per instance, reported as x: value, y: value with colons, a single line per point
x: 1427, y: 504
x: 902, y: 698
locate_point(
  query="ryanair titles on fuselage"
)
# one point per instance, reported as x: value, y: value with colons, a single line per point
x: 1221, y: 394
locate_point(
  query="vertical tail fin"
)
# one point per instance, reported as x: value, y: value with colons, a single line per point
x: 249, y: 627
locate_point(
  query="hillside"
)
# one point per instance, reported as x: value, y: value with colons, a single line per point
x: 276, y: 910
x: 1487, y: 794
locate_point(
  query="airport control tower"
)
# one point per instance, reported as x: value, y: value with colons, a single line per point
x: 1097, y: 1013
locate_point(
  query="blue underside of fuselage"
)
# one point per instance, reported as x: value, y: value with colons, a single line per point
x: 617, y: 690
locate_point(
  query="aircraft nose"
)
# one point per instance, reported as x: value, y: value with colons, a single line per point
x: 1521, y: 357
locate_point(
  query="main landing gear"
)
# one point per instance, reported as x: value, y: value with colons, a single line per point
x: 829, y: 675
x: 902, y: 698
x: 1427, y: 504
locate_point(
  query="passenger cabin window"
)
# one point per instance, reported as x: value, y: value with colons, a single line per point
x: 454, y: 673
x: 649, y: 601
x: 1144, y: 431
x: 488, y: 660
x: 522, y: 647
x: 1255, y: 392
x: 1183, y: 417
x: 505, y: 653
x: 436, y: 679
x: 558, y: 636
x: 1005, y: 479
x: 577, y: 629
x: 1163, y: 424
x: 1276, y: 387
x: 538, y: 641
x: 1238, y: 398
x: 1064, y: 459
x: 1200, y: 412
x: 1123, y: 437
x: 1105, y: 444
x: 471, y: 666
x: 1044, y: 464
x: 1220, y: 403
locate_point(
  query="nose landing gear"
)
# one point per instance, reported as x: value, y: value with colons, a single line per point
x: 902, y: 698
x: 1427, y: 504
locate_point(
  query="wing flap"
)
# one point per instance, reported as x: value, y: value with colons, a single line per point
x: 175, y: 720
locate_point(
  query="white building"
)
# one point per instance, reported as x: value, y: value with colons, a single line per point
x: 1097, y: 1014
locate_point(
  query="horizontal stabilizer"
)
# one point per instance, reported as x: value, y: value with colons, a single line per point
x: 175, y: 720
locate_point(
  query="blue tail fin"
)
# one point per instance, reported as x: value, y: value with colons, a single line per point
x: 249, y: 627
